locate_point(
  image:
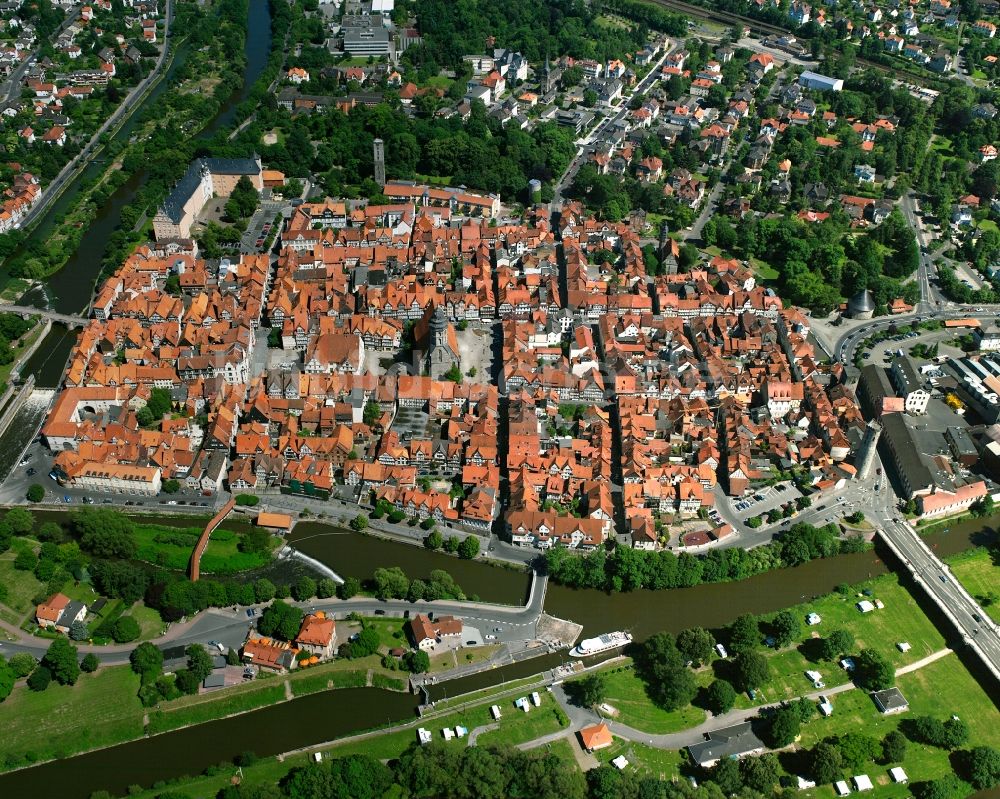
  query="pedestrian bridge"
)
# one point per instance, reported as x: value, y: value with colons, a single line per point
x: 26, y: 311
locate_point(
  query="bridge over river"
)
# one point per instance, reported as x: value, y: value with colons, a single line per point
x: 977, y: 629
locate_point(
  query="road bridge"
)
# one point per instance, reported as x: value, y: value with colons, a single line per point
x: 935, y: 578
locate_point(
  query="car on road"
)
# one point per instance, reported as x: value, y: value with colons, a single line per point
x: 25, y: 460
x: 942, y: 578
x: 491, y: 638
x: 470, y: 643
x: 31, y: 472
x: 379, y: 612
x: 67, y: 498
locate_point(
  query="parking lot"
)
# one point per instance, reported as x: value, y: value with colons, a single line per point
x: 765, y: 500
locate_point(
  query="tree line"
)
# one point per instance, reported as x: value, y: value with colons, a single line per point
x: 627, y: 569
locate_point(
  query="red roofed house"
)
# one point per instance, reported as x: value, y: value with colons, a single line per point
x: 427, y: 634
x: 318, y: 635
x: 270, y: 655
x: 59, y: 612
x: 597, y: 736
x: 765, y: 60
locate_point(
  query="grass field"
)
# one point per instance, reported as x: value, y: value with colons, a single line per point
x: 900, y: 620
x: 312, y: 683
x: 627, y: 694
x: 940, y: 689
x: 171, y: 548
x: 658, y: 763
x: 101, y: 709
x: 210, y: 709
x: 22, y: 587
x: 518, y: 727
x: 764, y: 269
x: 976, y: 570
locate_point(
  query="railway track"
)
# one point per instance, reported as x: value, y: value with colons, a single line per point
x: 755, y: 25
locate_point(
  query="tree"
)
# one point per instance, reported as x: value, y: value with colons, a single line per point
x: 105, y: 533
x: 243, y: 201
x: 21, y: 521
x: 837, y: 643
x: 359, y: 523
x: 668, y: 682
x: 372, y: 412
x: 784, y: 727
x: 125, y: 629
x: 696, y: 644
x: 199, y: 662
x: 304, y: 588
x: 36, y: 493
x: 350, y: 587
x: 469, y: 547
x: 417, y: 661
x: 325, y: 588
x: 760, y: 773
x: 726, y: 774
x: 751, y: 670
x: 89, y: 663
x: 263, y: 590
x: 40, y: 679
x: 785, y: 628
x: 171, y: 486
x: 590, y: 691
x: 147, y: 661
x: 434, y: 540
x: 947, y: 787
x: 22, y: 664
x: 25, y: 561
x: 61, y: 661
x: 391, y: 583
x: 281, y: 620
x: 894, y: 747
x: 7, y: 679
x: 825, y: 763
x: 720, y: 697
x: 78, y: 631
x: 984, y: 767
x: 744, y: 633
x: 857, y: 749
x: 366, y: 643
x: 872, y: 671
x: 120, y: 579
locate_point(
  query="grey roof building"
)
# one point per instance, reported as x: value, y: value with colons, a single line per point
x: 735, y: 741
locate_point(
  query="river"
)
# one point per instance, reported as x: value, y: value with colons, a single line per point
x: 69, y: 290
x: 275, y: 729
x: 314, y: 719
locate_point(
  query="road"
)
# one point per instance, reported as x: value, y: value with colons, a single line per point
x: 512, y: 626
x: 68, y: 173
x: 10, y: 89
x: 597, y: 134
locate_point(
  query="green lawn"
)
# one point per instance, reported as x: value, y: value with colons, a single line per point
x: 309, y: 683
x: 101, y: 709
x: 171, y: 547
x: 656, y: 763
x: 627, y: 694
x: 764, y: 270
x: 939, y: 689
x: 390, y: 631
x: 976, y: 571
x: 150, y: 623
x: 900, y: 620
x: 518, y: 727
x: 226, y: 704
x: 22, y: 587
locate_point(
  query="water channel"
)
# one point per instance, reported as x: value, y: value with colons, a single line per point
x: 69, y: 290
x: 320, y: 717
